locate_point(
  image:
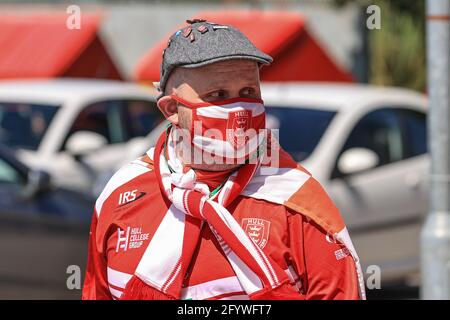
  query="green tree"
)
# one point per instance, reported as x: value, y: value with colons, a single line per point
x: 397, y: 50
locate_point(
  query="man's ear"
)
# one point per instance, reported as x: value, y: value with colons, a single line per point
x: 169, y: 108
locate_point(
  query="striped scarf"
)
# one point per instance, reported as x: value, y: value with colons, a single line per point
x: 160, y: 273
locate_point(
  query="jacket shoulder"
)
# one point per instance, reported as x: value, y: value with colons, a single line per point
x: 128, y: 176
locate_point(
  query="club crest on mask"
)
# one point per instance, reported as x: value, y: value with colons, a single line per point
x: 238, y: 124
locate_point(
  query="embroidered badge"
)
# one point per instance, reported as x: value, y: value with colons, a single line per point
x: 257, y: 230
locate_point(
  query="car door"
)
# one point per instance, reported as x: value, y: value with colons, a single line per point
x: 117, y: 121
x: 75, y: 172
x: 38, y: 242
x: 11, y: 182
x: 384, y: 206
x: 137, y: 119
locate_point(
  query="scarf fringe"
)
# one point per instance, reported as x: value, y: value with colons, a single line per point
x: 137, y: 289
x: 282, y: 292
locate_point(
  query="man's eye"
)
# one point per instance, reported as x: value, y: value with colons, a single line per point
x: 248, y: 92
x: 218, y: 94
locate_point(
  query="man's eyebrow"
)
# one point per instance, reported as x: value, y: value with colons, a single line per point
x: 220, y: 86
x: 217, y: 84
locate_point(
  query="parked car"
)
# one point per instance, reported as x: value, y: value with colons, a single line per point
x: 43, y: 230
x: 56, y: 125
x: 368, y: 147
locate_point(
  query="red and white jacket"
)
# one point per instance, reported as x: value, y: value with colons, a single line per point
x: 305, y: 236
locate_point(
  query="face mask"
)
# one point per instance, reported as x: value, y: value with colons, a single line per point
x: 231, y: 129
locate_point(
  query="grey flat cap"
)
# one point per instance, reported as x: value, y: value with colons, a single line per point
x: 203, y: 42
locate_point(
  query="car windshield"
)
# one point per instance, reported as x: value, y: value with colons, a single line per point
x: 22, y: 125
x: 300, y: 129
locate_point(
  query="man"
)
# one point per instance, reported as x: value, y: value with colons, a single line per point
x: 217, y: 210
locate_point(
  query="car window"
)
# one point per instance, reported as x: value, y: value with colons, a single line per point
x: 300, y: 129
x: 102, y: 118
x: 23, y: 125
x: 8, y: 174
x: 117, y: 120
x: 378, y: 131
x: 414, y: 126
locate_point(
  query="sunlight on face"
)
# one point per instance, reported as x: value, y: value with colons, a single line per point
x: 214, y: 82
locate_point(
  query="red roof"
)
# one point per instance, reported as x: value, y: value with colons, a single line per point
x: 41, y: 45
x: 283, y: 35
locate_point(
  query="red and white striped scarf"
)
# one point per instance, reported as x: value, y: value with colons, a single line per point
x: 284, y: 182
x: 161, y: 270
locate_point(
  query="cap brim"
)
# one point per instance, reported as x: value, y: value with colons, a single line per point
x: 226, y: 58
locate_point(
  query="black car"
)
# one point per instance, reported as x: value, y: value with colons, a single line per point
x: 43, y: 233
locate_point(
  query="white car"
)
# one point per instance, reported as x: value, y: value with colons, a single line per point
x: 368, y: 147
x: 74, y: 128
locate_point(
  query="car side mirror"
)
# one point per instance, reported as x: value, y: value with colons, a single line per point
x: 82, y: 143
x: 357, y: 160
x: 38, y: 181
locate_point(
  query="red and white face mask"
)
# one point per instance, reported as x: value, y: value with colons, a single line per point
x: 231, y: 129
